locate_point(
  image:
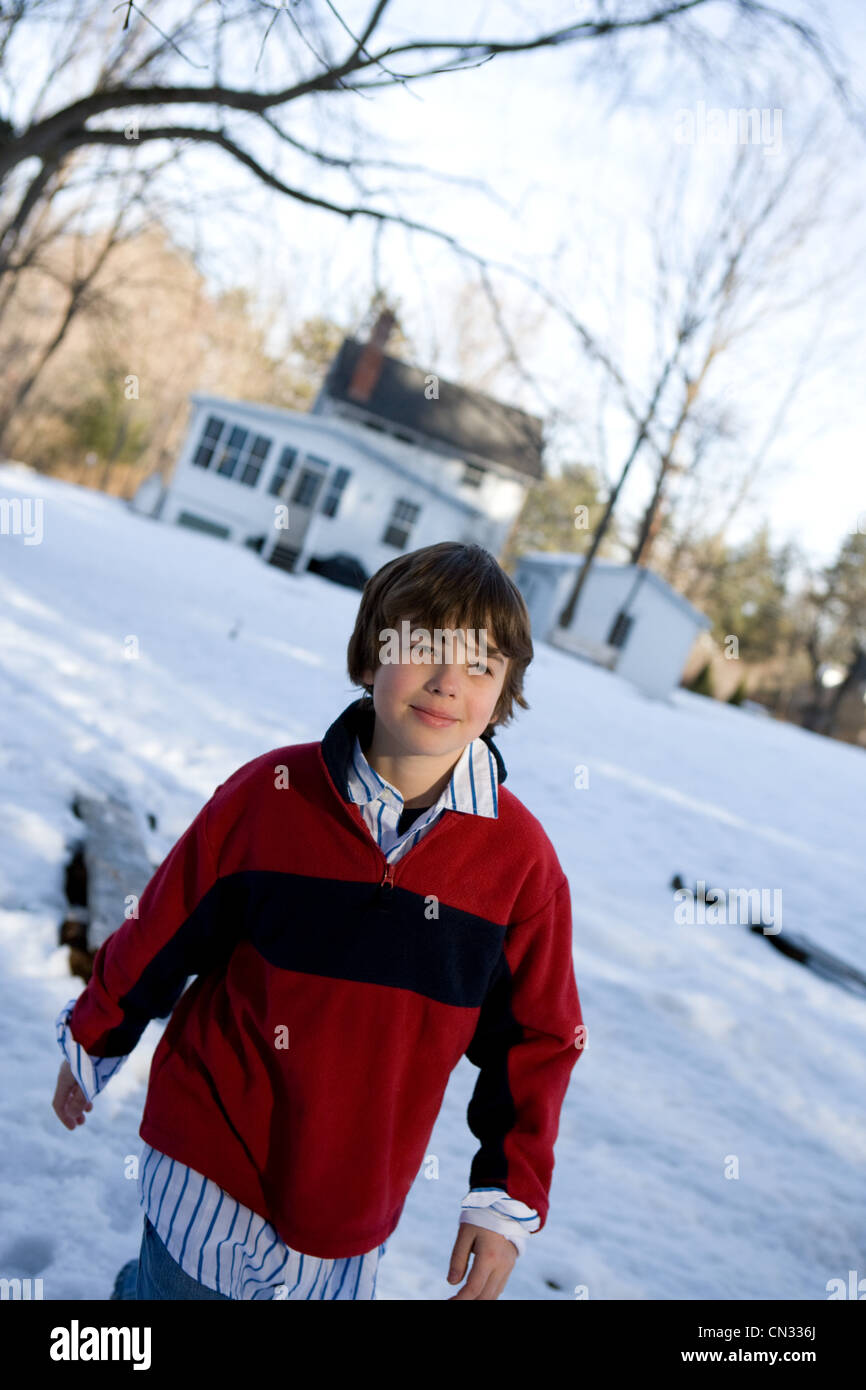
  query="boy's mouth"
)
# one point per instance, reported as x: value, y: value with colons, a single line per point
x: 438, y: 721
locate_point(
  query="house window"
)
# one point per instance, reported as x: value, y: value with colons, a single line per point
x: 335, y: 492
x: 230, y: 451
x: 255, y: 460
x: 201, y: 523
x: 208, y: 442
x: 239, y: 453
x: 473, y: 475
x: 402, y: 519
x: 282, y: 470
x: 307, y: 487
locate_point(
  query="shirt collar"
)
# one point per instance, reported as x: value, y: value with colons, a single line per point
x: 473, y: 786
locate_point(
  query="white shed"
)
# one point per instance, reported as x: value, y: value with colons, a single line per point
x: 628, y: 618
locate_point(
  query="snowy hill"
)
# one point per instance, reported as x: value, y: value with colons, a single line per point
x: 703, y: 1042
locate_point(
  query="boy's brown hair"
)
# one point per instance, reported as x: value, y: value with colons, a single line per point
x: 447, y: 585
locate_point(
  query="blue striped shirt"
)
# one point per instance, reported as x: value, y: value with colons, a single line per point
x: 214, y: 1238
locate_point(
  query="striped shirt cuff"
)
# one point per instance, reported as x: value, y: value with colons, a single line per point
x: 492, y: 1208
x: 91, y: 1073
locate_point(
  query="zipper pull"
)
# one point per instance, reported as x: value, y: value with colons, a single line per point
x: 381, y: 900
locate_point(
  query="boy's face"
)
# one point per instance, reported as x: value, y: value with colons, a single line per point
x: 460, y: 688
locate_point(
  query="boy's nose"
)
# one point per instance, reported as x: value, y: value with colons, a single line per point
x: 444, y: 679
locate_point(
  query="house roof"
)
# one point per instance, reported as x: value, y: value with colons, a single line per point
x: 462, y: 420
x: 566, y: 559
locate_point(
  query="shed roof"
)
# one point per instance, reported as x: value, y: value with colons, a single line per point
x: 564, y: 560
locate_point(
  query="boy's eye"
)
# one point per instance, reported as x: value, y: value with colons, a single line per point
x: 483, y: 670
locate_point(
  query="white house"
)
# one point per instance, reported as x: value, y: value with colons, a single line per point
x: 388, y: 459
x: 627, y: 618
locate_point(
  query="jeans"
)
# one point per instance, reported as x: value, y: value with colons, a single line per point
x: 160, y: 1276
x: 156, y: 1275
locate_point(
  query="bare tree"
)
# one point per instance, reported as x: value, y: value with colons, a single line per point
x: 109, y: 114
x: 833, y: 627
x: 79, y: 288
x: 736, y: 285
x: 140, y: 95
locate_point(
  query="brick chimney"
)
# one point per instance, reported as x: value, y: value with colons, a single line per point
x: 369, y: 364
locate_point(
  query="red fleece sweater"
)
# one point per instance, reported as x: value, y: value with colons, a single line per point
x: 304, y: 1068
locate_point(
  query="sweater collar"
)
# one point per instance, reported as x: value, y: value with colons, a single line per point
x: 356, y: 722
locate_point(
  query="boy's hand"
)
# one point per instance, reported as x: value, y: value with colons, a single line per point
x: 69, y: 1102
x: 492, y: 1263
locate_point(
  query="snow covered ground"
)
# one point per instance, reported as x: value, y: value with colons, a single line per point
x: 705, y: 1045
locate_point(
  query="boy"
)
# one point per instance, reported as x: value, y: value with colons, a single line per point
x: 360, y: 913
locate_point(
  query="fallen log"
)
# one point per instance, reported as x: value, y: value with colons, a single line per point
x: 796, y: 947
x: 108, y: 867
